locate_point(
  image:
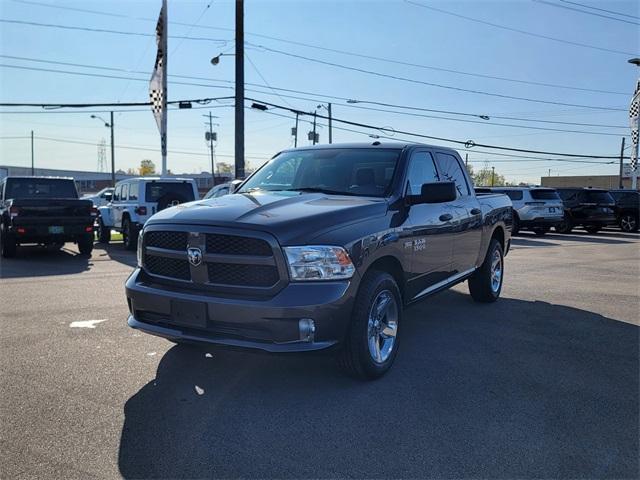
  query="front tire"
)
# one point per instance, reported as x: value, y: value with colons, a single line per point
x: 485, y: 284
x: 104, y: 232
x: 129, y: 235
x: 629, y: 223
x: 371, y: 344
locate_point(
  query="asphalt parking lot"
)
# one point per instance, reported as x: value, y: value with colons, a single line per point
x: 543, y: 383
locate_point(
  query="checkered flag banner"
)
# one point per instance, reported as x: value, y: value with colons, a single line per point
x: 156, y: 84
x: 634, y: 113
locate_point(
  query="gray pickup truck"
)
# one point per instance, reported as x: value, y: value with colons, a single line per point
x: 321, y: 248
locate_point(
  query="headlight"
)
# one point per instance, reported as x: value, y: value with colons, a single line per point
x: 139, y: 250
x: 317, y: 262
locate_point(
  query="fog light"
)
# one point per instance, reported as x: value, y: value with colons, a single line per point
x: 307, y: 329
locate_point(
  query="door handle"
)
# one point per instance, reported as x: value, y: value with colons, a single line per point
x: 476, y: 211
x: 445, y: 217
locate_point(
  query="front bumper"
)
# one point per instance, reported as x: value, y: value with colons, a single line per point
x: 269, y: 324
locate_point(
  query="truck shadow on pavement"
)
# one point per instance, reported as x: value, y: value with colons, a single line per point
x: 38, y: 262
x: 511, y: 389
x: 581, y: 237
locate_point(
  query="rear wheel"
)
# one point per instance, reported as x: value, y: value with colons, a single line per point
x: 104, y: 232
x: 629, y: 223
x: 515, y: 226
x: 85, y: 244
x: 564, y: 227
x: 485, y: 284
x: 592, y: 229
x: 371, y: 343
x: 129, y: 235
x: 8, y: 244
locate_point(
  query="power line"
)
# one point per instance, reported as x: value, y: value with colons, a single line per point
x: 351, y: 53
x: 431, y: 84
x: 468, y: 143
x: 206, y: 9
x: 551, y: 4
x: 524, y: 32
x: 104, y: 30
x: 333, y: 97
x: 201, y: 101
x: 600, y: 9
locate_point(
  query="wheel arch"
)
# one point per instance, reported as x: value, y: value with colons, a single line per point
x: 391, y: 265
x: 498, y: 234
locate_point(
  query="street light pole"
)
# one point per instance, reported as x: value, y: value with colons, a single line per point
x: 330, y: 119
x: 239, y: 105
x: 33, y: 170
x: 295, y: 141
x: 113, y: 154
x: 314, y: 128
x: 620, y: 185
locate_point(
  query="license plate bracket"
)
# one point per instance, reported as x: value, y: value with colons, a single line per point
x: 189, y: 314
x: 56, y: 230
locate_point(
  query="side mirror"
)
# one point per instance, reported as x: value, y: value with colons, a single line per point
x: 108, y: 197
x: 439, y: 192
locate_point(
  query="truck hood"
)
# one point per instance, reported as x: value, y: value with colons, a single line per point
x: 290, y: 216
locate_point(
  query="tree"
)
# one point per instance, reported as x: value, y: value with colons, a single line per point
x: 224, y: 168
x: 147, y: 167
x: 483, y: 178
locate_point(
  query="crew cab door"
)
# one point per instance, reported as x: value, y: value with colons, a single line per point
x: 467, y: 231
x: 430, y: 229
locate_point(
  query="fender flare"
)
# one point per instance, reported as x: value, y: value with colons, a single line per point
x: 105, y: 215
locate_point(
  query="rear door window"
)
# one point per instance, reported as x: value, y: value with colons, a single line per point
x: 133, y: 191
x: 450, y: 171
x: 544, y: 195
x: 117, y: 193
x: 125, y: 191
x: 597, y: 197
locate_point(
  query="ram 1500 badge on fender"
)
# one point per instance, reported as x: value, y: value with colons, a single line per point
x: 321, y: 248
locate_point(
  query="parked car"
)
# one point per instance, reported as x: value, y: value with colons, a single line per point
x: 101, y: 198
x: 534, y: 208
x: 322, y: 247
x: 627, y: 209
x: 136, y: 199
x: 44, y: 211
x: 222, y: 189
x: 590, y: 208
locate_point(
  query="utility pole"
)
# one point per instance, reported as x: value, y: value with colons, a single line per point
x: 314, y: 128
x: 330, y: 129
x: 239, y: 107
x: 213, y: 162
x: 493, y: 175
x: 466, y: 161
x: 549, y: 173
x: 620, y: 185
x: 295, y: 141
x: 33, y: 170
x: 113, y: 155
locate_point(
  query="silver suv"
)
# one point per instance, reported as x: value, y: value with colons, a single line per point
x: 534, y: 208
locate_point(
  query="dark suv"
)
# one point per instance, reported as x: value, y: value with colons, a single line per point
x: 590, y: 208
x: 627, y: 209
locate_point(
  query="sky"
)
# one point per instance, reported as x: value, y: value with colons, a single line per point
x: 351, y: 49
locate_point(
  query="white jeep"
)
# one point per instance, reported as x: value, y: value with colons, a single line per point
x: 136, y: 199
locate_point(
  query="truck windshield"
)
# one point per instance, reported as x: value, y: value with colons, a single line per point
x: 40, y: 188
x: 361, y: 171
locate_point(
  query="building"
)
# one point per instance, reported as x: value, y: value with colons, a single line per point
x: 610, y: 182
x: 91, y: 182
